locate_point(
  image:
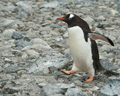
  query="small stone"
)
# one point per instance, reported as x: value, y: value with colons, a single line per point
x: 113, y: 12
x: 7, y: 60
x: 43, y: 64
x: 11, y: 69
x: 17, y: 35
x: 118, y: 7
x: 65, y: 35
x: 75, y: 92
x: 32, y: 53
x: 8, y: 22
x: 101, y: 18
x: 24, y: 8
x: 22, y: 42
x: 24, y: 56
x: 9, y: 8
x: 52, y: 4
x: 7, y: 34
x: 89, y: 19
x: 112, y: 88
x: 51, y: 89
x: 38, y: 41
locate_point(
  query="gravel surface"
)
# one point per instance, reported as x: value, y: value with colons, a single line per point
x: 34, y: 46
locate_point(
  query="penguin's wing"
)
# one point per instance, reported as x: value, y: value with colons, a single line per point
x: 96, y: 36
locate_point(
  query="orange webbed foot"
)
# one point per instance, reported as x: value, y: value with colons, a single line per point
x: 67, y: 72
x: 90, y: 79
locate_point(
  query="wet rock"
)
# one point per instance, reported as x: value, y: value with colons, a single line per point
x: 17, y: 35
x: 7, y: 34
x: 51, y: 89
x: 111, y: 88
x: 75, y: 92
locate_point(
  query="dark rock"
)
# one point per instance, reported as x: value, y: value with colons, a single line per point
x: 17, y: 35
x: 100, y: 25
x: 52, y: 69
x: 22, y: 42
x: 118, y: 7
x: 51, y: 89
x: 112, y: 88
x: 75, y: 92
x: 9, y: 91
x: 11, y: 69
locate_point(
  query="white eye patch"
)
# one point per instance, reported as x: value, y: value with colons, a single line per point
x: 71, y: 16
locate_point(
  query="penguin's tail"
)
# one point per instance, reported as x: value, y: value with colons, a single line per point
x: 110, y: 73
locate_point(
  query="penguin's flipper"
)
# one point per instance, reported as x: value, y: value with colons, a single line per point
x: 96, y: 36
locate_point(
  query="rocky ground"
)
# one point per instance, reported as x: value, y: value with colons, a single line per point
x: 33, y: 46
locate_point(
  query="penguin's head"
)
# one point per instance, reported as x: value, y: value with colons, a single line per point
x: 69, y: 18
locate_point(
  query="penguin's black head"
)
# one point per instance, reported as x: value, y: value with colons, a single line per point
x: 70, y: 19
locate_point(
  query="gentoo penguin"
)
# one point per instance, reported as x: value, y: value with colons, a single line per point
x: 83, y: 46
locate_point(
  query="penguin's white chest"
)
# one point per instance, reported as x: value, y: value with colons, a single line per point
x: 80, y: 50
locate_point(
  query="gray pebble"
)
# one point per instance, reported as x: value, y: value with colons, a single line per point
x: 17, y: 35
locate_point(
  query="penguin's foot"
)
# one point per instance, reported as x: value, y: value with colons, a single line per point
x: 90, y: 79
x: 67, y: 72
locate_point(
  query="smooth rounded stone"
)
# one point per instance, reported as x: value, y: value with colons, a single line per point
x: 51, y: 4
x: 7, y: 34
x: 37, y: 42
x: 51, y: 89
x: 24, y: 7
x: 7, y: 22
x: 89, y: 19
x: 17, y: 35
x: 24, y: 56
x: 39, y: 47
x: 75, y: 92
x: 101, y: 18
x: 43, y: 64
x: 65, y: 86
x: 9, y: 8
x: 14, y: 23
x: 7, y: 60
x: 9, y: 43
x: 112, y: 88
x: 32, y: 53
x: 113, y: 12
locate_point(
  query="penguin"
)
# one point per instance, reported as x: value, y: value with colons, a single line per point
x: 83, y: 47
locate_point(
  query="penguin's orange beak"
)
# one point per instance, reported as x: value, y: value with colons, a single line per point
x: 61, y: 19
